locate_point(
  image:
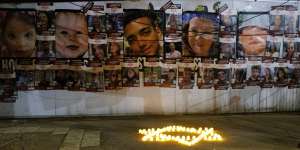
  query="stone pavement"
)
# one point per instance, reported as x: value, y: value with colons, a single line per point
x: 271, y: 131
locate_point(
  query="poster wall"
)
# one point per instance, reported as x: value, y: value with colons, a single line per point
x: 110, y: 47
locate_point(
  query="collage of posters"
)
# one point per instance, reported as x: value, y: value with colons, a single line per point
x: 173, y: 32
x: 110, y: 31
x: 96, y: 19
x: 109, y: 47
x: 45, y: 26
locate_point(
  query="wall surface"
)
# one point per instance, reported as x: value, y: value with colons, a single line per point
x: 154, y: 100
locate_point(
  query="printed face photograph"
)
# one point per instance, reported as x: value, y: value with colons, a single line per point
x: 113, y: 79
x: 45, y: 49
x: 227, y: 50
x: 99, y: 51
x: 255, y: 73
x: 173, y: 24
x: 114, y: 49
x: 142, y: 34
x: 200, y: 33
x: 277, y: 22
x: 289, y: 48
x: 168, y: 76
x: 186, y: 78
x: 253, y: 40
x: 240, y: 75
x: 71, y: 35
x: 45, y: 24
x: 274, y: 49
x: 152, y: 76
x: 267, y: 74
x: 96, y: 23
x: 130, y: 76
x: 173, y: 50
x: 115, y: 23
x: 19, y: 34
x: 290, y: 24
x: 281, y: 74
x: 221, y: 75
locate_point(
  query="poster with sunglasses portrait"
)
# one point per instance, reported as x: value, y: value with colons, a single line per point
x: 294, y: 75
x: 290, y: 47
x: 114, y: 18
x: 222, y: 76
x: 173, y: 49
x: 8, y: 87
x: 62, y: 74
x: 239, y: 73
x: 113, y: 75
x: 281, y: 74
x: 254, y: 73
x: 227, y: 46
x: 96, y: 19
x: 200, y: 34
x: 130, y: 72
x: 205, y: 74
x: 76, y: 78
x: 173, y: 26
x: 115, y: 46
x: 252, y: 34
x: 291, y: 17
x: 25, y: 74
x: 152, y: 71
x: 277, y: 19
x: 94, y: 77
x: 168, y: 73
x: 143, y: 32
x: 71, y: 34
x: 229, y: 21
x: 267, y: 72
x: 18, y: 32
x: 98, y: 46
x: 44, y: 75
x: 186, y: 73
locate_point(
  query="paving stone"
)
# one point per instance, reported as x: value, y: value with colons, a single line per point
x: 72, y: 140
x: 91, y: 138
x: 60, y: 130
x: 29, y: 129
x: 13, y: 130
x: 45, y: 129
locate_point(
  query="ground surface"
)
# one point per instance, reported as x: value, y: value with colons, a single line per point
x: 241, y: 132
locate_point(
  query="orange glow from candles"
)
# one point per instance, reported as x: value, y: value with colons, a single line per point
x: 196, y: 135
